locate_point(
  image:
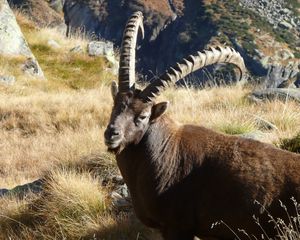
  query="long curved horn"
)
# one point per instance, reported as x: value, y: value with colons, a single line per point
x: 191, y: 64
x: 127, y: 55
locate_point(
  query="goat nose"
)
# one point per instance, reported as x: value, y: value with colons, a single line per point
x: 111, y: 132
x: 115, y: 132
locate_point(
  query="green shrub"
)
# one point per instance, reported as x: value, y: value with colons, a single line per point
x: 291, y: 144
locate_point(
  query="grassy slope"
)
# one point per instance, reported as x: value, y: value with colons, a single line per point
x: 49, y: 126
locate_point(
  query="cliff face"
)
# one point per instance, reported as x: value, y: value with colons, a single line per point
x: 176, y: 28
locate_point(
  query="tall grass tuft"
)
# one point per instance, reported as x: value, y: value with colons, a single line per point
x: 291, y: 144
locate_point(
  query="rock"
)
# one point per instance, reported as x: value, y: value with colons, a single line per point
x: 270, y: 94
x: 3, y: 192
x: 285, y: 11
x: 8, y: 80
x: 53, y: 44
x: 166, y: 35
x: 286, y: 25
x: 98, y: 48
x: 22, y: 191
x: 275, y: 12
x: 77, y: 49
x: 12, y: 41
x: 280, y: 76
x: 57, y: 5
x: 121, y: 203
x: 32, y: 67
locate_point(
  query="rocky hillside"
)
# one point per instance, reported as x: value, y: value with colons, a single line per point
x: 38, y: 11
x: 266, y: 32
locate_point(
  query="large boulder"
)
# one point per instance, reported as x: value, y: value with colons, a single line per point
x: 12, y: 41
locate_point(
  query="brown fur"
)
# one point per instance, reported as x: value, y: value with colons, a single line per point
x: 184, y: 178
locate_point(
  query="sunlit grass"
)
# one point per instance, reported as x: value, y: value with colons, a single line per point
x: 55, y: 128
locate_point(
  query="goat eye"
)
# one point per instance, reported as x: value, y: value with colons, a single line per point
x: 142, y: 117
x: 139, y: 119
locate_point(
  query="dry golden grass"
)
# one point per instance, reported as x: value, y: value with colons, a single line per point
x: 43, y: 130
x: 55, y: 129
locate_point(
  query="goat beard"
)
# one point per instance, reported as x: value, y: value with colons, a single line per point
x: 117, y: 150
x: 120, y: 148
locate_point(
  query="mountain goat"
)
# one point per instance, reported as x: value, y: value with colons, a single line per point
x: 184, y: 178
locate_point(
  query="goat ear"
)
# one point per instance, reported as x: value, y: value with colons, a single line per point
x: 114, y: 89
x: 158, y: 109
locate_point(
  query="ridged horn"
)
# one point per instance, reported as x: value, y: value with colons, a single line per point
x: 127, y: 54
x: 191, y: 64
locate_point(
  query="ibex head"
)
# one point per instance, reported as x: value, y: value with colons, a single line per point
x: 134, y: 110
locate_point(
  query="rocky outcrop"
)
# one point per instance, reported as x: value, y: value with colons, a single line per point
x: 172, y: 31
x: 280, y: 76
x: 12, y: 41
x: 177, y: 28
x: 275, y: 12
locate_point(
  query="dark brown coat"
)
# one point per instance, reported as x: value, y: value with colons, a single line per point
x: 183, y: 179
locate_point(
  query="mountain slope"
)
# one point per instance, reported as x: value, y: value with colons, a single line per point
x: 265, y: 32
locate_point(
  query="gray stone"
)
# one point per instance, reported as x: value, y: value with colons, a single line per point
x: 12, y: 41
x: 53, y: 44
x: 3, y: 192
x: 280, y: 76
x: 285, y: 11
x: 22, y: 191
x: 99, y: 48
x: 32, y: 67
x: 121, y: 203
x: 286, y: 25
x: 57, y: 5
x: 8, y: 80
x: 275, y: 12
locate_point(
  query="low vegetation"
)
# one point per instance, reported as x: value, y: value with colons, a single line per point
x: 53, y: 130
x: 291, y: 144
